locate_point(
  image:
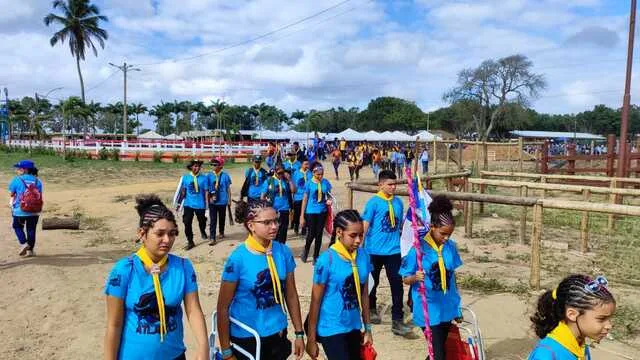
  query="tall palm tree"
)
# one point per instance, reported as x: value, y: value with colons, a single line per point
x: 138, y: 109
x: 80, y: 23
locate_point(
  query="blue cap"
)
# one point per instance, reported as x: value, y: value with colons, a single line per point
x: 25, y: 164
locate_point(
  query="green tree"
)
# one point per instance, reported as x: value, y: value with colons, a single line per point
x: 136, y: 109
x: 80, y: 23
x: 163, y: 121
x: 390, y: 113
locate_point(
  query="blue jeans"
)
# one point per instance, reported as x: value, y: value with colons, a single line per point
x: 391, y: 265
x: 425, y: 166
x: 31, y: 222
x: 376, y: 169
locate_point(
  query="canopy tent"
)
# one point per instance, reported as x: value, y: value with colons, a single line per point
x: 424, y: 136
x: 150, y: 135
x: 173, y: 137
x: 556, y: 135
x: 351, y: 135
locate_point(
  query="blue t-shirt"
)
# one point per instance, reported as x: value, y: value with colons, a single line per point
x: 382, y: 238
x: 222, y: 192
x: 16, y: 186
x: 301, y: 184
x: 292, y: 167
x: 313, y: 206
x: 442, y: 307
x: 339, y: 311
x: 271, y: 190
x: 254, y: 302
x: 193, y: 199
x: 549, y: 349
x: 401, y: 160
x: 255, y: 190
x: 140, y: 337
x: 271, y: 161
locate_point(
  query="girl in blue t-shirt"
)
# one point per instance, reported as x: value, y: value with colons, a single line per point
x: 27, y: 175
x: 579, y: 308
x: 145, y: 293
x: 258, y: 286
x: 440, y: 259
x: 339, y: 298
x: 314, y: 204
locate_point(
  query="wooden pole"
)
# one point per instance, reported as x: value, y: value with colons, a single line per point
x: 476, y: 166
x: 584, y: 224
x: 435, y: 156
x: 536, y: 236
x: 523, y: 216
x: 469, y: 232
x: 466, y: 209
x: 460, y: 165
x: 520, y: 150
x: 611, y: 222
x: 485, y: 150
x: 350, y: 196
x: 593, y: 145
x: 543, y: 180
x: 446, y: 146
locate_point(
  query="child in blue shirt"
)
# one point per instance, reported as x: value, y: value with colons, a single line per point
x: 579, y: 308
x: 219, y: 183
x: 300, y: 179
x: 382, y: 225
x: 254, y: 178
x: 339, y: 301
x: 439, y: 261
x: 314, y: 204
x: 136, y: 328
x: 27, y: 174
x: 292, y: 164
x: 195, y: 195
x: 257, y: 283
x: 277, y: 190
x: 401, y: 161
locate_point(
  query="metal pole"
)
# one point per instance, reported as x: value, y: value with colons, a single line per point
x: 124, y: 68
x: 624, y: 121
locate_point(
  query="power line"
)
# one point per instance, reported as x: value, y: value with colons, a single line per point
x: 101, y: 82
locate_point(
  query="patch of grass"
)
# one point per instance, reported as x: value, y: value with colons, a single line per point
x: 489, y: 285
x: 463, y: 249
x: 525, y: 258
x: 482, y: 259
x: 88, y: 222
x: 122, y: 198
x: 626, y: 322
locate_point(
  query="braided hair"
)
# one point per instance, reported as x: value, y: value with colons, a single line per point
x: 440, y: 210
x: 151, y: 209
x: 342, y: 220
x: 252, y: 209
x: 571, y: 292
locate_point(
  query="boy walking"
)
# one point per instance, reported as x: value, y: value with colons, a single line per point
x: 195, y: 192
x: 219, y: 198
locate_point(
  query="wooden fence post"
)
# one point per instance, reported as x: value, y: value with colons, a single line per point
x: 536, y: 236
x: 584, y: 224
x: 544, y: 159
x: 485, y: 155
x: 482, y: 190
x: 350, y: 196
x: 460, y: 165
x: 611, y: 223
x: 476, y: 167
x: 468, y: 217
x: 523, y: 216
x: 593, y: 145
x: 571, y: 152
x: 520, y: 150
x: 435, y: 156
x: 543, y: 180
x: 446, y: 146
x: 611, y: 154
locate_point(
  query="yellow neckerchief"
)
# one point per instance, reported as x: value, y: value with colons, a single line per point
x: 217, y: 179
x: 563, y: 335
x: 389, y: 201
x: 443, y: 271
x: 279, y: 184
x: 338, y: 246
x: 254, y: 245
x: 319, y: 182
x: 154, y: 269
x: 256, y: 172
x: 195, y: 181
x: 304, y: 175
x: 291, y: 164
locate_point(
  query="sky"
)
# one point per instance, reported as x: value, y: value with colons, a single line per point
x: 309, y: 54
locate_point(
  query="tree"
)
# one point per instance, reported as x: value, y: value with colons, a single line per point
x: 390, y: 113
x: 80, y: 23
x: 137, y: 109
x: 494, y: 86
x: 164, y: 122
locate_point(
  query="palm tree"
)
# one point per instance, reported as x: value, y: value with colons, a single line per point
x: 80, y: 23
x: 138, y: 109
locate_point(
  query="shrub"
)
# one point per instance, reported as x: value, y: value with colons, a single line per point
x: 137, y: 156
x: 157, y: 156
x: 115, y: 154
x: 175, y: 158
x: 103, y: 154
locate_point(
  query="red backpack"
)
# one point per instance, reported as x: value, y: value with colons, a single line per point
x: 31, y: 199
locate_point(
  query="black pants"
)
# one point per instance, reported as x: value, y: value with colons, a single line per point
x: 30, y: 223
x: 217, y: 213
x: 341, y: 346
x: 274, y: 347
x: 316, y: 224
x: 352, y: 172
x: 181, y: 357
x: 439, y: 335
x: 187, y: 219
x: 284, y: 226
x: 336, y: 165
x: 295, y: 224
x: 391, y: 265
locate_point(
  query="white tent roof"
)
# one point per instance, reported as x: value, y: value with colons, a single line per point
x: 425, y: 136
x: 556, y: 135
x: 173, y: 137
x: 351, y: 135
x: 150, y: 135
x: 400, y: 136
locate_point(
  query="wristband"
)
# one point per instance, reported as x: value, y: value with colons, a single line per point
x: 299, y: 334
x: 367, y: 328
x: 227, y: 353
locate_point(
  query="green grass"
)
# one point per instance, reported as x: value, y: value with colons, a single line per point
x: 626, y: 322
x: 488, y: 285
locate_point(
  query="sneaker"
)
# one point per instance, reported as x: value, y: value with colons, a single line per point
x: 213, y: 242
x: 375, y: 318
x: 221, y: 236
x: 204, y: 237
x: 189, y: 246
x: 303, y: 258
x: 399, y: 328
x: 30, y: 253
x: 23, y: 249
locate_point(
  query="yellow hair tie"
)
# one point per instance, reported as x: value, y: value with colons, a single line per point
x: 554, y: 294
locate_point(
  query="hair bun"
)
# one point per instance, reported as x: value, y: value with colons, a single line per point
x: 146, y: 201
x: 440, y: 205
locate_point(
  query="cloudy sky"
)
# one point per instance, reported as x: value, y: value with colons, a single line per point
x: 278, y: 52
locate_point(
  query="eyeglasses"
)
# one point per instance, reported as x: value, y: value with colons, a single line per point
x: 270, y: 222
x: 598, y: 283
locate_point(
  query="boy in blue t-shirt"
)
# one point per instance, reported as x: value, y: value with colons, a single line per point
x: 195, y: 195
x: 277, y: 190
x: 382, y: 227
x: 254, y: 178
x: 27, y: 175
x: 300, y: 179
x: 219, y: 198
x: 292, y: 164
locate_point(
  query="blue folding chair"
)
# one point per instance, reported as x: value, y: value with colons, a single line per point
x: 213, y: 350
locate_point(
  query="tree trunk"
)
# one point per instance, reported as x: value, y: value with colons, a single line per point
x: 60, y: 223
x: 80, y: 76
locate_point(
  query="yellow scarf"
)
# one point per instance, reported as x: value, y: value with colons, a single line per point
x: 319, y: 182
x: 438, y: 249
x: 254, y: 245
x: 279, y: 184
x: 389, y: 201
x: 563, y: 335
x: 304, y: 175
x: 291, y: 164
x: 257, y: 176
x: 351, y: 257
x: 195, y: 181
x: 217, y: 179
x: 155, y: 273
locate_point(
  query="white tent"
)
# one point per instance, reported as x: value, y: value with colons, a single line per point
x: 372, y: 136
x: 425, y: 136
x: 400, y: 136
x: 173, y: 137
x: 350, y: 135
x: 150, y: 135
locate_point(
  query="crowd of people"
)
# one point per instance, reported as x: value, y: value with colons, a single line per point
x: 145, y: 291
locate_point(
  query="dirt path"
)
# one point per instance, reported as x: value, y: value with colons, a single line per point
x: 52, y: 306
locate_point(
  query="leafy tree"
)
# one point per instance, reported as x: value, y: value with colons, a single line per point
x: 390, y: 113
x: 137, y: 110
x: 80, y: 23
x: 163, y: 121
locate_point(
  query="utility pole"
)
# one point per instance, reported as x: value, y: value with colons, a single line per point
x: 37, y: 112
x: 624, y: 121
x: 125, y: 68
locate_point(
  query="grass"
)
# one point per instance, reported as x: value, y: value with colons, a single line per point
x: 626, y: 322
x: 489, y: 285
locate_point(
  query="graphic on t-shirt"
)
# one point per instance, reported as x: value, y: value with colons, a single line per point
x: 301, y: 183
x: 434, y: 276
x: 148, y: 315
x: 349, y: 294
x: 386, y: 224
x: 191, y: 188
x: 263, y: 290
x: 115, y: 281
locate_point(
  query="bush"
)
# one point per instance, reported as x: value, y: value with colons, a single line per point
x: 115, y: 154
x: 103, y: 154
x: 175, y: 158
x: 157, y: 156
x: 70, y: 155
x: 137, y: 156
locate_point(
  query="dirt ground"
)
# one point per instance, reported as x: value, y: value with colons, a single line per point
x: 52, y: 306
